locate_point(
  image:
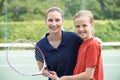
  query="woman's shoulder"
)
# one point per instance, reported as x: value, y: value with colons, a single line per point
x: 41, y: 41
x: 72, y: 36
x: 70, y: 33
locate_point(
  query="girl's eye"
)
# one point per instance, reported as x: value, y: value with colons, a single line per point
x: 84, y: 25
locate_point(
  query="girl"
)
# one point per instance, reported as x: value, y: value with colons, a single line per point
x: 89, y: 62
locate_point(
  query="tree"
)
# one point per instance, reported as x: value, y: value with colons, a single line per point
x: 95, y: 7
x: 1, y: 7
x: 112, y: 9
x: 72, y: 7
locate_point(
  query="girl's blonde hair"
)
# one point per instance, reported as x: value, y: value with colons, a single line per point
x: 54, y: 9
x: 84, y: 13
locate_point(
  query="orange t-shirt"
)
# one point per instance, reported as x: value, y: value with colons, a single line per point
x: 89, y: 54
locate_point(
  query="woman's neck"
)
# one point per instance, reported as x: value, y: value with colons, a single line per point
x: 55, y: 36
x: 55, y: 39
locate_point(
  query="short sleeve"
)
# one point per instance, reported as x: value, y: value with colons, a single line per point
x: 38, y: 55
x: 92, y: 55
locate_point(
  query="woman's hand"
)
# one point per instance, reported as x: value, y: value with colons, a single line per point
x: 45, y: 72
x: 53, y: 75
x: 98, y: 40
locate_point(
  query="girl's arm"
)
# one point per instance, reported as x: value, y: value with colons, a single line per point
x: 87, y: 75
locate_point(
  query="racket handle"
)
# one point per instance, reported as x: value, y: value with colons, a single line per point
x: 46, y: 72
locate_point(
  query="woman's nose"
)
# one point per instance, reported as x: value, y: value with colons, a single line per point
x: 54, y: 23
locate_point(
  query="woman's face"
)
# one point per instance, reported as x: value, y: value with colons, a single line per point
x: 54, y: 21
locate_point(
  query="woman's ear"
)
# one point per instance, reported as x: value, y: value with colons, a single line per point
x: 92, y: 23
x: 45, y: 22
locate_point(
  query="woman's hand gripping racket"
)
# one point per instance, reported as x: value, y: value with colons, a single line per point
x: 22, y: 57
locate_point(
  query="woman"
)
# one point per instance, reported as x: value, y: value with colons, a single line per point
x: 59, y: 47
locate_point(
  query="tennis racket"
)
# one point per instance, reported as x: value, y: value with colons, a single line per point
x: 21, y: 57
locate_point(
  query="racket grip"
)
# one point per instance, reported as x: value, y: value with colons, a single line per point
x: 46, y: 72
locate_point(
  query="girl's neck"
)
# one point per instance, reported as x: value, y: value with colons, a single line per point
x: 88, y: 38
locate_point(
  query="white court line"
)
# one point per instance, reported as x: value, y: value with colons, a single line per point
x: 34, y: 65
x: 111, y: 64
x: 17, y: 65
x: 27, y: 45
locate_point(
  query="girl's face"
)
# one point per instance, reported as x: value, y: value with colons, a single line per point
x: 54, y: 21
x: 84, y: 27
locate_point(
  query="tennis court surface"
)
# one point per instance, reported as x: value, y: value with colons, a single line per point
x: 111, y: 61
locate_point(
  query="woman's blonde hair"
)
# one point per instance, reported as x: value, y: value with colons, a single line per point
x: 54, y: 9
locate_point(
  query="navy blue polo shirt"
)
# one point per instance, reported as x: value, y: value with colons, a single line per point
x: 61, y: 59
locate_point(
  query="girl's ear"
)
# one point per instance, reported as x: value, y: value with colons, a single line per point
x: 63, y: 20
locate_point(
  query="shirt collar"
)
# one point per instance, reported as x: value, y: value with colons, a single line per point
x: 63, y: 42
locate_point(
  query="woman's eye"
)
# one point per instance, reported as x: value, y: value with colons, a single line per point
x: 50, y: 20
x: 57, y: 20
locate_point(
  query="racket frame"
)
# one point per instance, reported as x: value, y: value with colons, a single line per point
x: 8, y: 61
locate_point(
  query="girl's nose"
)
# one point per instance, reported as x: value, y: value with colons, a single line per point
x: 80, y: 28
